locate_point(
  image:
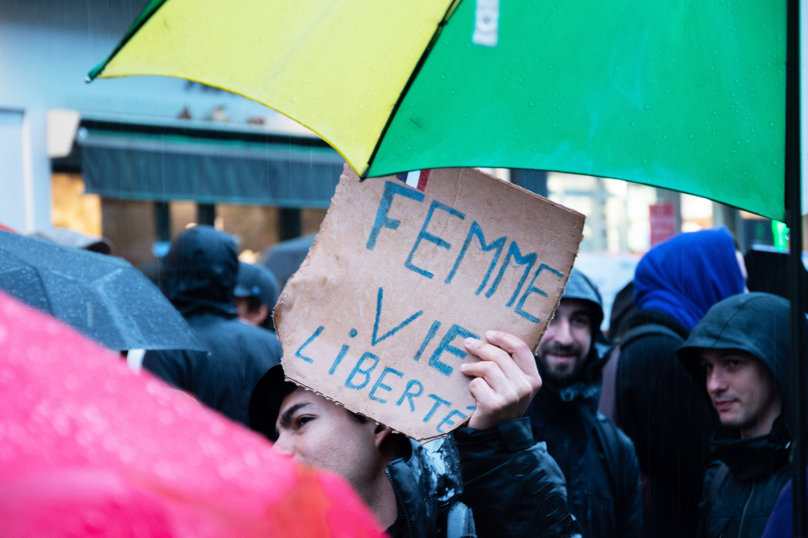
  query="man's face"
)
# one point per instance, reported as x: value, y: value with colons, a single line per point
x: 318, y: 432
x: 251, y: 317
x: 566, y: 342
x: 742, y: 390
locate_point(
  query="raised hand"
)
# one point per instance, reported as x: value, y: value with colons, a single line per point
x: 505, y: 380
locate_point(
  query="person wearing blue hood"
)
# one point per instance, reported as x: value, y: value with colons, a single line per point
x: 200, y: 273
x: 738, y: 356
x: 659, y: 405
x: 597, y: 459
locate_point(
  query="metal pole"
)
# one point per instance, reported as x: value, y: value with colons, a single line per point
x: 793, y: 204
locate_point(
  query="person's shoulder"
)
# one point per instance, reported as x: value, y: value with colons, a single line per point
x: 260, y: 337
x: 651, y: 334
x: 624, y: 443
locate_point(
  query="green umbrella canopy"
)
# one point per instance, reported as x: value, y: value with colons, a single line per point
x: 684, y: 95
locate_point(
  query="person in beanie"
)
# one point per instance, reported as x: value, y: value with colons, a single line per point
x: 738, y: 355
x: 675, y: 283
x: 511, y: 484
x: 597, y: 459
x: 256, y: 294
x: 199, y: 276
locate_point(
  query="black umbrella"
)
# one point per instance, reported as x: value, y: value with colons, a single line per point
x: 284, y: 258
x: 103, y: 297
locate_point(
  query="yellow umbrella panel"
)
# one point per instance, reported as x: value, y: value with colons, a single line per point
x: 298, y: 57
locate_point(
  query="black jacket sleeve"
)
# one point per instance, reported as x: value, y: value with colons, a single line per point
x: 175, y: 367
x: 513, y: 486
x: 168, y: 366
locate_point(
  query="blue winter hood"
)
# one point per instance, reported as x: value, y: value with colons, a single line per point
x: 687, y: 274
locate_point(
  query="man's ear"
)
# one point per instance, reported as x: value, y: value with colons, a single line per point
x: 380, y: 434
x: 257, y: 316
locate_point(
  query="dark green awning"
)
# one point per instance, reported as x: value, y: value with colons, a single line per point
x: 164, y: 167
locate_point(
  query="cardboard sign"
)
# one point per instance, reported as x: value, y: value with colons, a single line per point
x: 403, y: 270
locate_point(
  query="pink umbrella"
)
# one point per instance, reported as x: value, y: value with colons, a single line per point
x: 89, y: 448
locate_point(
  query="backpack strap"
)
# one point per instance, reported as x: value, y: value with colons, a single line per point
x: 648, y: 329
x: 705, y: 507
x: 609, y: 441
x: 718, y: 480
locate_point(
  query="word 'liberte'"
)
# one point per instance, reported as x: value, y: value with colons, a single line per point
x: 388, y: 385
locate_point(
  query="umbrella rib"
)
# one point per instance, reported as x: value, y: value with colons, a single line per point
x: 421, y: 61
x: 44, y: 289
x: 144, y: 16
x: 38, y: 276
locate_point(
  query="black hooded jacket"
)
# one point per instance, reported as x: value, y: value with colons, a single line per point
x: 603, y: 482
x: 199, y: 277
x: 742, y: 486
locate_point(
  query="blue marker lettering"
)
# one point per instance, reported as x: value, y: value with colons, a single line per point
x: 446, y: 345
x: 299, y: 352
x: 533, y: 289
x: 410, y: 395
x: 423, y: 234
x: 498, y: 245
x: 341, y: 354
x: 527, y: 260
x: 448, y: 420
x: 429, y: 336
x: 390, y: 189
x: 374, y: 339
x: 380, y: 385
x: 358, y: 370
x: 438, y: 402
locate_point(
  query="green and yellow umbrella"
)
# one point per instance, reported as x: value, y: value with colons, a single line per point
x: 682, y: 94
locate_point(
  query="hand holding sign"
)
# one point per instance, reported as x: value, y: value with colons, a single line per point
x: 505, y: 380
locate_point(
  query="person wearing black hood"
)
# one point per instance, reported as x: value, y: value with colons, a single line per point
x: 200, y: 273
x: 597, y: 459
x: 658, y: 405
x: 738, y: 354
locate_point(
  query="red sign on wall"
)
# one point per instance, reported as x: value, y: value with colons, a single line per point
x: 663, y: 222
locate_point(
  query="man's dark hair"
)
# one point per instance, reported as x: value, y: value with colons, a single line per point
x: 253, y: 304
x: 288, y: 388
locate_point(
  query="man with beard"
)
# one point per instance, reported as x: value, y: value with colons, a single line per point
x: 597, y: 459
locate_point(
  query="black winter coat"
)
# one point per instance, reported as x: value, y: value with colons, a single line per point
x: 739, y: 504
x: 670, y: 421
x: 607, y: 502
x: 745, y: 497
x: 603, y: 482
x: 428, y: 486
x: 199, y: 277
x: 509, y: 483
x: 513, y: 486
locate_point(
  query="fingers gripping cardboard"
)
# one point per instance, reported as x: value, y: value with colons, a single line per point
x: 404, y: 269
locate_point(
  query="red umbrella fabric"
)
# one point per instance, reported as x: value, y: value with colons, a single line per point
x: 89, y: 448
